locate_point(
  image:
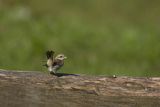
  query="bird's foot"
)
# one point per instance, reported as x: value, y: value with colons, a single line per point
x: 52, y: 73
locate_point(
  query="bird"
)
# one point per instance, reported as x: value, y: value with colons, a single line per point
x: 54, y: 64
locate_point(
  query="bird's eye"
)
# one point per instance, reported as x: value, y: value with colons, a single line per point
x: 60, y: 56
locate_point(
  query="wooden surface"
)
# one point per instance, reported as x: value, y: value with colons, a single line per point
x: 36, y: 89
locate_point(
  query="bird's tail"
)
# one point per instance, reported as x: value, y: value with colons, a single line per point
x: 49, y: 54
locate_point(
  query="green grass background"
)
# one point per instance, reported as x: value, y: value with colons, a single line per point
x: 99, y: 37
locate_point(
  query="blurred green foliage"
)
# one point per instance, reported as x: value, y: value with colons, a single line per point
x: 120, y: 37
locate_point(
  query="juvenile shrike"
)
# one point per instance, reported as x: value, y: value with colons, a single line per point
x: 54, y: 64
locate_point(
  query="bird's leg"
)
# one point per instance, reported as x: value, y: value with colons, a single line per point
x: 53, y: 73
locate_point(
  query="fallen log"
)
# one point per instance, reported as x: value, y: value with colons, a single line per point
x: 30, y: 89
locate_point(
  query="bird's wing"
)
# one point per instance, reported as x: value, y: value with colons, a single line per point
x: 50, y: 54
x: 57, y: 62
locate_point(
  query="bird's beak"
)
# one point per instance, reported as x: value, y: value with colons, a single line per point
x: 65, y: 57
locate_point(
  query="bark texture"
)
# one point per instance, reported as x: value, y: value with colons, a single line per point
x: 37, y: 89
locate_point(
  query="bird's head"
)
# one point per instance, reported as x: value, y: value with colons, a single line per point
x: 60, y: 57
